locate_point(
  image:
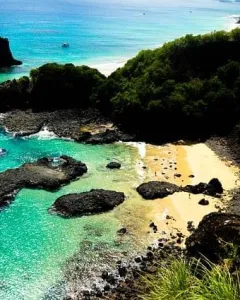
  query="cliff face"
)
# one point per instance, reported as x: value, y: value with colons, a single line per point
x: 6, y: 58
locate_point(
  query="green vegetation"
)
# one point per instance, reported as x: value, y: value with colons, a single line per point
x: 192, y: 280
x: 52, y: 87
x: 57, y: 86
x: 188, y: 86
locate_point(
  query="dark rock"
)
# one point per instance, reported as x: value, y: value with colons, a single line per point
x: 157, y: 189
x: 180, y: 234
x: 95, y: 201
x: 122, y: 230
x: 6, y: 57
x: 111, y: 279
x: 107, y: 287
x: 177, y: 175
x: 83, y: 136
x: 64, y: 123
x: 151, y: 224
x: 104, y: 275
x: 99, y: 293
x: 150, y: 254
x: 203, y: 202
x: 215, y: 187
x: 215, y: 236
x: 138, y: 259
x: 113, y: 165
x: 191, y: 176
x: 122, y: 271
x: 42, y: 174
x: 212, y: 188
x: 109, y: 136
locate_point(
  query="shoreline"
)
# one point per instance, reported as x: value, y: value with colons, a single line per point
x: 172, y: 214
x: 109, y: 65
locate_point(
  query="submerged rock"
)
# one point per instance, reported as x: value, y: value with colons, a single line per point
x: 93, y: 202
x: 216, y: 236
x: 113, y: 165
x: 42, y: 174
x: 157, y: 189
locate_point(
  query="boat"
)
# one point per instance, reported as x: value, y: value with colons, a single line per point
x: 65, y: 45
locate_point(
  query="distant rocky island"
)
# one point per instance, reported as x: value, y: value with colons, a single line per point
x: 6, y: 57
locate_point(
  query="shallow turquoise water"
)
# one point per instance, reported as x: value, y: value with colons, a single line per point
x: 35, y: 245
x: 102, y: 31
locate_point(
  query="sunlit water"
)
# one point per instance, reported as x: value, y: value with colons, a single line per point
x: 103, y: 33
x: 35, y: 245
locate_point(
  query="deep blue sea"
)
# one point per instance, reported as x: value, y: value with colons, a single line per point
x: 102, y: 33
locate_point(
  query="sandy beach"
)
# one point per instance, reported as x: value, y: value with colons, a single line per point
x: 164, y: 162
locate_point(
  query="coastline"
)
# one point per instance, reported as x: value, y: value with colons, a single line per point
x: 107, y: 65
x: 171, y: 214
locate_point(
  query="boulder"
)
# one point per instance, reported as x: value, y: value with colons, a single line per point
x: 212, y: 188
x: 113, y: 165
x: 203, y: 202
x: 157, y: 189
x: 216, y: 237
x: 93, y: 202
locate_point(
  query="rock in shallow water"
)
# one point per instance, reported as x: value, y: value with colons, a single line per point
x: 93, y: 202
x: 41, y: 174
x: 113, y: 165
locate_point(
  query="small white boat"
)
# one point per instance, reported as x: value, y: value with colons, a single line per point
x: 65, y: 45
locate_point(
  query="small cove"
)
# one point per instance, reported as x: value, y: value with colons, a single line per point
x: 45, y: 257
x: 36, y: 245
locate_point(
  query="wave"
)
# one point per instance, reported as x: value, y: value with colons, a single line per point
x: 44, y: 134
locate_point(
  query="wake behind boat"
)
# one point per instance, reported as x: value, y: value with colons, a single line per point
x: 65, y: 45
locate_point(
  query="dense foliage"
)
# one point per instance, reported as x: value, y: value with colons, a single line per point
x: 52, y: 87
x: 189, y: 86
x: 57, y: 86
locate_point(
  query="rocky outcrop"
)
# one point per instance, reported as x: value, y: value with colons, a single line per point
x: 157, y: 189
x: 216, y: 237
x: 46, y: 173
x: 160, y: 189
x: 6, y: 57
x: 64, y: 123
x: 109, y: 136
x: 113, y: 165
x: 212, y: 188
x: 93, y: 202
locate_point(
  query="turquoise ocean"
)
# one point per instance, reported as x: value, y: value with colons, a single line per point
x: 102, y: 33
x: 40, y: 254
